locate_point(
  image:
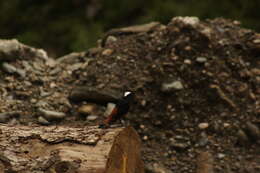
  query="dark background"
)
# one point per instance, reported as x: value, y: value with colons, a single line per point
x: 61, y: 27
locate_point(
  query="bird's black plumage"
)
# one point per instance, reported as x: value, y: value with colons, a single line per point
x: 122, y: 107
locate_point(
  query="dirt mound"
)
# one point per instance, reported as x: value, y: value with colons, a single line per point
x: 196, y: 85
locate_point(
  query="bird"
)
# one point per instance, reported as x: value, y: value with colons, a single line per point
x: 120, y: 110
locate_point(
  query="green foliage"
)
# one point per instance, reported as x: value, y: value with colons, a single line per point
x: 61, y: 27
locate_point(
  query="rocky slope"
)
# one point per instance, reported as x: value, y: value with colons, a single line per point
x: 196, y: 85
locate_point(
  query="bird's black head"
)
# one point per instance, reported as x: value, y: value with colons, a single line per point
x: 128, y: 96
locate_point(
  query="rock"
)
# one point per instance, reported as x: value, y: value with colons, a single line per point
x: 93, y: 95
x: 242, y: 137
x: 51, y: 115
x: 87, y: 109
x: 41, y: 104
x: 70, y: 58
x: 107, y: 52
x: 6, y: 116
x: 201, y: 59
x: 92, y: 117
x: 12, y: 69
x: 145, y: 138
x: 203, y: 126
x: 203, y: 140
x: 187, y: 61
x: 53, y: 85
x: 156, y: 168
x: 192, y: 21
x: 143, y: 103
x: 226, y: 125
x: 51, y: 62
x: 39, y: 53
x: 75, y: 66
x: 178, y: 145
x: 43, y: 121
x: 175, y: 85
x: 111, y: 39
x: 9, y: 50
x: 33, y: 100
x: 256, y: 41
x: 8, y: 67
x: 255, y: 71
x: 142, y: 126
x: 253, y: 131
x: 221, y: 155
x: 21, y: 72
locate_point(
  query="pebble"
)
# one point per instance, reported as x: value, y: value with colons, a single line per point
x: 74, y: 67
x: 156, y: 168
x: 107, y: 52
x: 21, y: 72
x: 52, y: 115
x: 178, y: 146
x: 41, y: 103
x: 43, y: 121
x: 253, y: 130
x: 110, y: 39
x: 256, y: 41
x: 87, y: 109
x: 143, y: 102
x: 12, y: 69
x: 203, y: 126
x: 145, y: 138
x: 203, y: 140
x: 226, y: 125
x: 187, y: 61
x: 33, y: 100
x: 51, y: 62
x: 221, y: 155
x: 189, y: 20
x: 92, y: 117
x: 8, y: 67
x: 6, y: 116
x: 175, y: 85
x: 53, y: 85
x: 242, y: 137
x: 8, y: 49
x: 201, y: 59
x: 142, y: 126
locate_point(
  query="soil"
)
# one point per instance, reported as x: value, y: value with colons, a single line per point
x: 196, y: 86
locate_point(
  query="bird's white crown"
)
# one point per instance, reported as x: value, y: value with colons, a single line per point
x: 127, y: 93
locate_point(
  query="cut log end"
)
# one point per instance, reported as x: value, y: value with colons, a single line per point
x: 67, y: 150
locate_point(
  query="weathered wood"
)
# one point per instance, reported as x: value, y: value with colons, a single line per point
x: 59, y: 149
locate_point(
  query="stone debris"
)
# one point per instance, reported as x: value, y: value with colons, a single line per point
x: 175, y: 85
x: 51, y: 115
x: 196, y: 86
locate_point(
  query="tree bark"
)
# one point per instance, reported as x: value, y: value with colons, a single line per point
x: 59, y: 149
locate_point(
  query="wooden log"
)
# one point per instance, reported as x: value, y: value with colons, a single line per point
x: 59, y: 149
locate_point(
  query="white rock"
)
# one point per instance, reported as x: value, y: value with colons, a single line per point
x: 175, y: 85
x: 203, y: 125
x: 189, y: 20
x: 92, y: 117
x: 201, y: 59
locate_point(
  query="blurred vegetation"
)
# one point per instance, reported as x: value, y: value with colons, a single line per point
x: 61, y: 27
